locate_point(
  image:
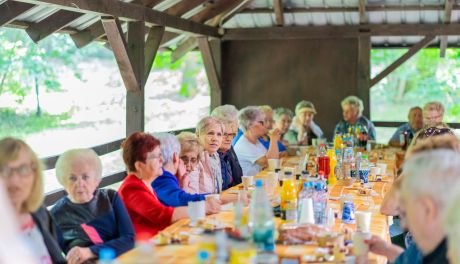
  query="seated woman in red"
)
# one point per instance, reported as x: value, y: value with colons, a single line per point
x: 143, y: 160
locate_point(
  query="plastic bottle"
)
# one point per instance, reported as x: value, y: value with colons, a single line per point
x: 332, y: 164
x: 364, y: 169
x: 107, y: 256
x: 305, y: 197
x: 324, y: 161
x: 358, y: 159
x: 261, y: 219
x: 289, y: 200
x: 320, y: 204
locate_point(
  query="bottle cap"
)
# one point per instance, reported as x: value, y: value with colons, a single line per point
x: 203, y: 255
x: 305, y: 184
x: 106, y: 253
x: 259, y: 183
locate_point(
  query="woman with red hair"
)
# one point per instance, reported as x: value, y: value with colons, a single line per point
x: 143, y: 160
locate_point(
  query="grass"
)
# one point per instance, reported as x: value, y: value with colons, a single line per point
x: 21, y: 125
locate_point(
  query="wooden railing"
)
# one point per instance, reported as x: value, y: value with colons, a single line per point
x: 397, y: 124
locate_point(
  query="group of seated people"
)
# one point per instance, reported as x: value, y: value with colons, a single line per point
x: 166, y: 172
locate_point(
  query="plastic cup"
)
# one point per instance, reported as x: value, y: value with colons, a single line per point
x: 363, y: 221
x: 374, y: 171
x: 196, y: 210
x: 247, y: 181
x: 360, y: 248
x: 273, y: 164
x: 212, y: 196
x: 306, y: 212
x: 383, y: 168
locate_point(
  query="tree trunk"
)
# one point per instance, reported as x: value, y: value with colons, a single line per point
x: 7, y: 70
x: 37, y: 96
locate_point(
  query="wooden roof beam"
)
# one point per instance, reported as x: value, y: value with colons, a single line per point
x: 211, y: 71
x: 88, y: 35
x: 279, y: 15
x: 54, y: 23
x: 447, y: 18
x: 215, y: 9
x: 153, y: 42
x: 124, y: 59
x: 406, y: 56
x: 147, y: 3
x: 130, y: 12
x: 369, y: 8
x: 10, y: 10
x: 183, y: 7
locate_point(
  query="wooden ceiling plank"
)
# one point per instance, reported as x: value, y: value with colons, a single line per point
x: 61, y: 19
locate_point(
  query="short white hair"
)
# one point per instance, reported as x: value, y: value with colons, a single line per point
x: 354, y: 101
x: 65, y: 161
x: 432, y: 173
x: 169, y: 144
x: 451, y: 224
x: 204, y: 124
x: 225, y: 113
x: 248, y: 115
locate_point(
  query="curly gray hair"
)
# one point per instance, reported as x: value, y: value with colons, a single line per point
x: 248, y: 115
x: 169, y: 144
x: 354, y: 101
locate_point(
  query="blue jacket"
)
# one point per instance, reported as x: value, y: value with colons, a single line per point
x: 169, y: 192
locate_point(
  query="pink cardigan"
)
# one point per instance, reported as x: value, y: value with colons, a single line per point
x: 199, y: 180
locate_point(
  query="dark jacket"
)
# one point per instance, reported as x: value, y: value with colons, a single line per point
x: 51, y: 234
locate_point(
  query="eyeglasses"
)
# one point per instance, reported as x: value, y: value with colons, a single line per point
x: 23, y: 171
x: 186, y: 160
x: 232, y: 135
x: 261, y: 122
x: 159, y: 156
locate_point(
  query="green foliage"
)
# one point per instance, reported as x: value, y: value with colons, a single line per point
x: 21, y: 125
x: 425, y: 77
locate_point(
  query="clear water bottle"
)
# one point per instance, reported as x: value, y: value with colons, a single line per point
x: 364, y: 169
x: 320, y: 203
x: 358, y: 159
x: 261, y: 219
x: 107, y: 256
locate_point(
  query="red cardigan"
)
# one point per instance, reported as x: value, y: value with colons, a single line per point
x: 148, y: 214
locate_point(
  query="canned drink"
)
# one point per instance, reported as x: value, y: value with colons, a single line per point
x: 348, y: 213
x: 364, y: 175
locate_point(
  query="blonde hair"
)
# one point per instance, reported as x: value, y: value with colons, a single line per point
x: 204, y: 124
x: 266, y: 109
x: 189, y: 142
x: 10, y: 149
x: 65, y: 161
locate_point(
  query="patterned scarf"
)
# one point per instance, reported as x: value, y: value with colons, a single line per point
x: 214, y: 161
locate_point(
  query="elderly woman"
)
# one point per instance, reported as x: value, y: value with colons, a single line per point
x: 209, y: 131
x: 352, y: 110
x: 282, y: 118
x: 452, y: 227
x: 90, y: 218
x: 144, y: 162
x: 303, y: 129
x: 251, y: 154
x: 231, y: 169
x: 190, y: 150
x: 22, y: 174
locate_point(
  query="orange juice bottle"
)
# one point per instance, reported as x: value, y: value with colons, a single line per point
x: 289, y: 200
x: 332, y: 163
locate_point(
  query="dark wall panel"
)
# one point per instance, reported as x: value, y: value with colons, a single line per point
x: 281, y: 73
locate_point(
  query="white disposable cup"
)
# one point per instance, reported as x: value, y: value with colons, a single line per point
x: 212, y: 196
x: 383, y: 168
x: 360, y: 247
x: 363, y: 221
x: 314, y: 142
x: 306, y: 211
x: 196, y: 210
x: 273, y: 164
x: 374, y: 171
x: 247, y: 181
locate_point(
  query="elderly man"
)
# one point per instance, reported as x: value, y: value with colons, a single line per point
x: 433, y: 113
x: 167, y: 186
x: 429, y: 182
x: 352, y: 110
x: 409, y: 129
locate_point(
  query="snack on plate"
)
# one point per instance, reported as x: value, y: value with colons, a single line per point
x: 291, y: 234
x: 325, y: 239
x: 162, y: 238
x: 364, y: 191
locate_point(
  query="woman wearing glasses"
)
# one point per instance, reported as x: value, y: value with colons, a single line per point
x: 251, y: 153
x: 143, y: 160
x: 22, y: 174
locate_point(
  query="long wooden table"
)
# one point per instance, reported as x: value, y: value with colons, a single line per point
x: 379, y: 226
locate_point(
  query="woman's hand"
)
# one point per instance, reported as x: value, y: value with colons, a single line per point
x: 275, y: 135
x: 213, y: 206
x: 78, y: 255
x: 381, y: 247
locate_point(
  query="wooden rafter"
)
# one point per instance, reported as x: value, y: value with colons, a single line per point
x: 129, y: 12
x: 279, y: 15
x: 314, y: 32
x: 182, y: 49
x: 183, y: 7
x: 229, y: 16
x: 89, y: 35
x: 55, y: 22
x: 153, y: 42
x: 125, y: 61
x: 411, y: 52
x: 10, y: 10
x: 362, y: 12
x: 215, y: 9
x: 347, y: 9
x: 211, y: 70
x: 147, y: 3
x: 447, y: 17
